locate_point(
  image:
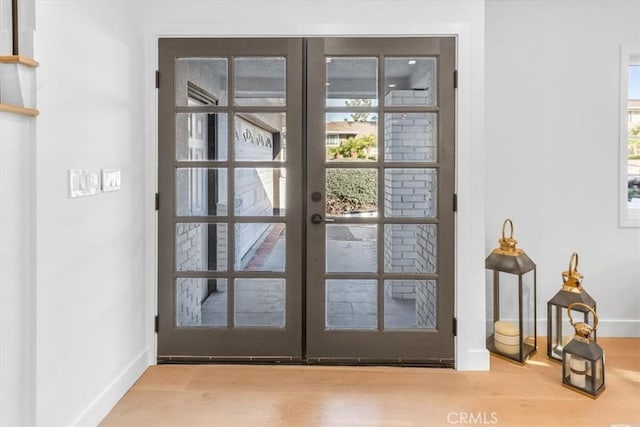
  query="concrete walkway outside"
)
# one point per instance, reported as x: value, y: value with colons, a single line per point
x: 349, y: 303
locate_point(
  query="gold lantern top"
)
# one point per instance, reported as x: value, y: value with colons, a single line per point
x: 583, y: 330
x: 572, y: 290
x: 572, y: 279
x: 508, y: 244
x: 508, y: 257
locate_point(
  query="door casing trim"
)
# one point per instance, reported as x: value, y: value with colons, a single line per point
x: 470, y: 351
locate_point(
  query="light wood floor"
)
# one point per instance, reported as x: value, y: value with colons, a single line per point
x: 300, y: 396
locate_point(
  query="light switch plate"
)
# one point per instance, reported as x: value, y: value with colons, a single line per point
x: 84, y: 182
x: 111, y: 180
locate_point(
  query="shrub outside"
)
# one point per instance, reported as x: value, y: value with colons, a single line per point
x: 351, y: 190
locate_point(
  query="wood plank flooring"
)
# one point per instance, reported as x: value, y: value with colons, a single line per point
x: 300, y: 396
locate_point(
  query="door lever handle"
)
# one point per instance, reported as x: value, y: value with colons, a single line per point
x: 318, y: 219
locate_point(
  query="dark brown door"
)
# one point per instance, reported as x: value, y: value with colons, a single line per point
x: 230, y: 217
x: 380, y: 138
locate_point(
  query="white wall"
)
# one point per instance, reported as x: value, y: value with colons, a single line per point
x: 551, y: 160
x: 17, y: 268
x: 90, y: 322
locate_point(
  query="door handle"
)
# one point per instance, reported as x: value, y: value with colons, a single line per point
x: 317, y: 219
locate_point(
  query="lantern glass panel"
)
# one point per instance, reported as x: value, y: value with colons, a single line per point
x: 489, y: 312
x: 561, y: 330
x: 599, y: 374
x: 528, y: 312
x: 507, y: 307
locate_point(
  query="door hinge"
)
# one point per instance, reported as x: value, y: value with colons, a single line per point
x: 455, y: 79
x: 157, y: 324
x: 157, y: 79
x: 157, y: 201
x: 455, y: 327
x: 455, y: 202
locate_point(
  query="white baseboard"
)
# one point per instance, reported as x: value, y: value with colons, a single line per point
x: 106, y: 400
x: 614, y: 328
x: 473, y: 360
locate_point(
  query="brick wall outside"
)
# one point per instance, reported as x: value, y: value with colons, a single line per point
x: 426, y: 298
x: 411, y: 192
x: 189, y: 301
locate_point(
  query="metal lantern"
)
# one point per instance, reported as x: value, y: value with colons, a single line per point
x: 558, y: 330
x: 582, y: 358
x: 511, y: 300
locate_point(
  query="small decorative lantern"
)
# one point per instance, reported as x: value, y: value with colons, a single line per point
x: 558, y: 329
x: 582, y: 358
x: 511, y: 331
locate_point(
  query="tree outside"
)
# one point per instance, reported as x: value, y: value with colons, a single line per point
x: 358, y: 117
x: 354, y: 148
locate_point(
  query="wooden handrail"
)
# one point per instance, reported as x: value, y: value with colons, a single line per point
x: 17, y: 59
x: 19, y: 110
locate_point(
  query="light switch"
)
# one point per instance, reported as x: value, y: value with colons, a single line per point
x: 93, y: 181
x: 84, y: 182
x: 110, y: 179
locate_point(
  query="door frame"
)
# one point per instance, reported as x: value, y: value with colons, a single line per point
x: 405, y: 345
x: 470, y: 351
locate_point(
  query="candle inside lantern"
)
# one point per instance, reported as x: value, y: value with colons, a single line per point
x: 578, y: 375
x: 506, y: 337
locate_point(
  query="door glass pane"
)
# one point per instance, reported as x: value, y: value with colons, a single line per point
x: 351, y: 136
x: 204, y: 79
x: 201, y: 137
x: 352, y: 192
x: 410, y: 192
x: 410, y: 304
x: 201, y: 191
x: 351, y: 304
x: 201, y: 247
x: 260, y: 81
x: 410, y: 248
x: 260, y: 247
x: 260, y: 302
x: 201, y: 302
x: 352, y: 82
x: 410, y: 137
x: 260, y: 136
x: 410, y: 81
x: 351, y: 248
x: 260, y: 191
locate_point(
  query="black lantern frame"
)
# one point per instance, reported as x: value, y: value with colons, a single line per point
x: 510, y: 343
x: 583, y: 359
x: 571, y: 292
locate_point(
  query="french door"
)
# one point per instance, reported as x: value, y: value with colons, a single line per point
x: 306, y: 200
